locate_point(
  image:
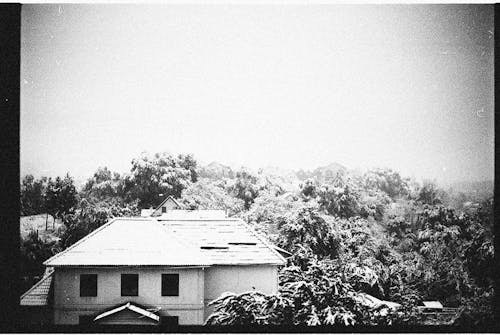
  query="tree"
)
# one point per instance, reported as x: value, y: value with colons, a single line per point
x: 340, y: 198
x: 104, y: 184
x: 387, y: 181
x: 245, y: 187
x: 207, y: 194
x: 60, y: 196
x: 318, y: 295
x: 429, y: 194
x: 306, y: 227
x: 154, y: 178
x: 32, y: 195
x: 33, y: 253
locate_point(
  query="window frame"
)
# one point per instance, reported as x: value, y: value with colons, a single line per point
x: 129, y: 275
x: 167, y: 291
x: 84, y: 291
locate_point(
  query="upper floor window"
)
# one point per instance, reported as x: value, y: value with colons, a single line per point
x: 130, y: 284
x: 164, y: 209
x: 170, y: 284
x: 88, y: 285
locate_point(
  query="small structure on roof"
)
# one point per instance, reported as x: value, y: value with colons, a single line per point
x: 432, y: 305
x: 166, y: 205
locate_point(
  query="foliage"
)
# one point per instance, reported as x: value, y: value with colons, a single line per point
x: 207, y: 194
x: 319, y: 295
x: 32, y: 195
x: 154, y: 178
x: 349, y: 234
x: 33, y: 253
x: 60, y: 196
x: 91, y: 215
x: 104, y: 184
x: 305, y: 226
x: 373, y: 203
x: 388, y: 181
x: 429, y: 194
x: 341, y: 198
x: 245, y: 187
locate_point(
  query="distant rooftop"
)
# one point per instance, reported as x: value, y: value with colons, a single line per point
x: 180, y: 214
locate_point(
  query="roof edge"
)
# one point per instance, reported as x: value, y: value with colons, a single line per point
x: 47, y: 262
x: 38, y: 283
x: 268, y: 245
x: 166, y: 199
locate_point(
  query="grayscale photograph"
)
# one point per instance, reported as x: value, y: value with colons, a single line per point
x: 276, y: 167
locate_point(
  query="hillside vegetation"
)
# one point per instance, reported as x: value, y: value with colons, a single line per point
x: 349, y: 234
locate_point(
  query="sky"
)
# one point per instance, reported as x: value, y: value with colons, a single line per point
x: 409, y: 87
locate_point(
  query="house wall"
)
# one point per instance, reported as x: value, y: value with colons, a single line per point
x: 238, y: 279
x: 188, y: 306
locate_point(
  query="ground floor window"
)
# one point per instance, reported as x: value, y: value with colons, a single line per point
x: 170, y: 284
x: 85, y: 319
x: 88, y: 285
x: 169, y: 321
x: 130, y: 284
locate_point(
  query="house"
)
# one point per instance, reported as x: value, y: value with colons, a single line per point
x: 166, y: 205
x: 155, y: 270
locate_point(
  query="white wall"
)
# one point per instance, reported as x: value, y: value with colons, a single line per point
x: 68, y: 304
x: 238, y: 279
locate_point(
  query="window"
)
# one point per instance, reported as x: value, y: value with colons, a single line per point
x: 88, y: 285
x: 169, y: 321
x: 85, y: 319
x: 170, y: 284
x: 130, y: 284
x: 164, y: 209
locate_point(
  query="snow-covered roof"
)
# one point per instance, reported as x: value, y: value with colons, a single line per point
x: 227, y: 241
x: 130, y: 241
x: 169, y: 242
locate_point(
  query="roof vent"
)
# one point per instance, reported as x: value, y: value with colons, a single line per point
x: 211, y: 247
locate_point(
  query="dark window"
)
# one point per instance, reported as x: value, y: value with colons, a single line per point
x: 88, y: 285
x: 169, y: 321
x: 164, y: 209
x: 85, y: 319
x: 170, y: 284
x: 130, y: 284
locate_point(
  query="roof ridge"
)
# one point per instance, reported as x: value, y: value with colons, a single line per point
x: 86, y: 237
x: 37, y: 284
x: 164, y: 201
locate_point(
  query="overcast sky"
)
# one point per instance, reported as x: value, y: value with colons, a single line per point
x: 297, y: 86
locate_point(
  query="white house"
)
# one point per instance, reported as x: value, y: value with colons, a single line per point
x: 157, y: 269
x: 166, y: 205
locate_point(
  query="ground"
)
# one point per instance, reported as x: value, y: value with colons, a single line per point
x: 38, y: 223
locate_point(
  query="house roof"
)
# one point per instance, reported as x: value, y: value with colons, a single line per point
x: 169, y: 198
x: 133, y: 242
x: 38, y: 294
x: 169, y: 242
x: 433, y: 304
x: 225, y: 241
x: 129, y: 306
